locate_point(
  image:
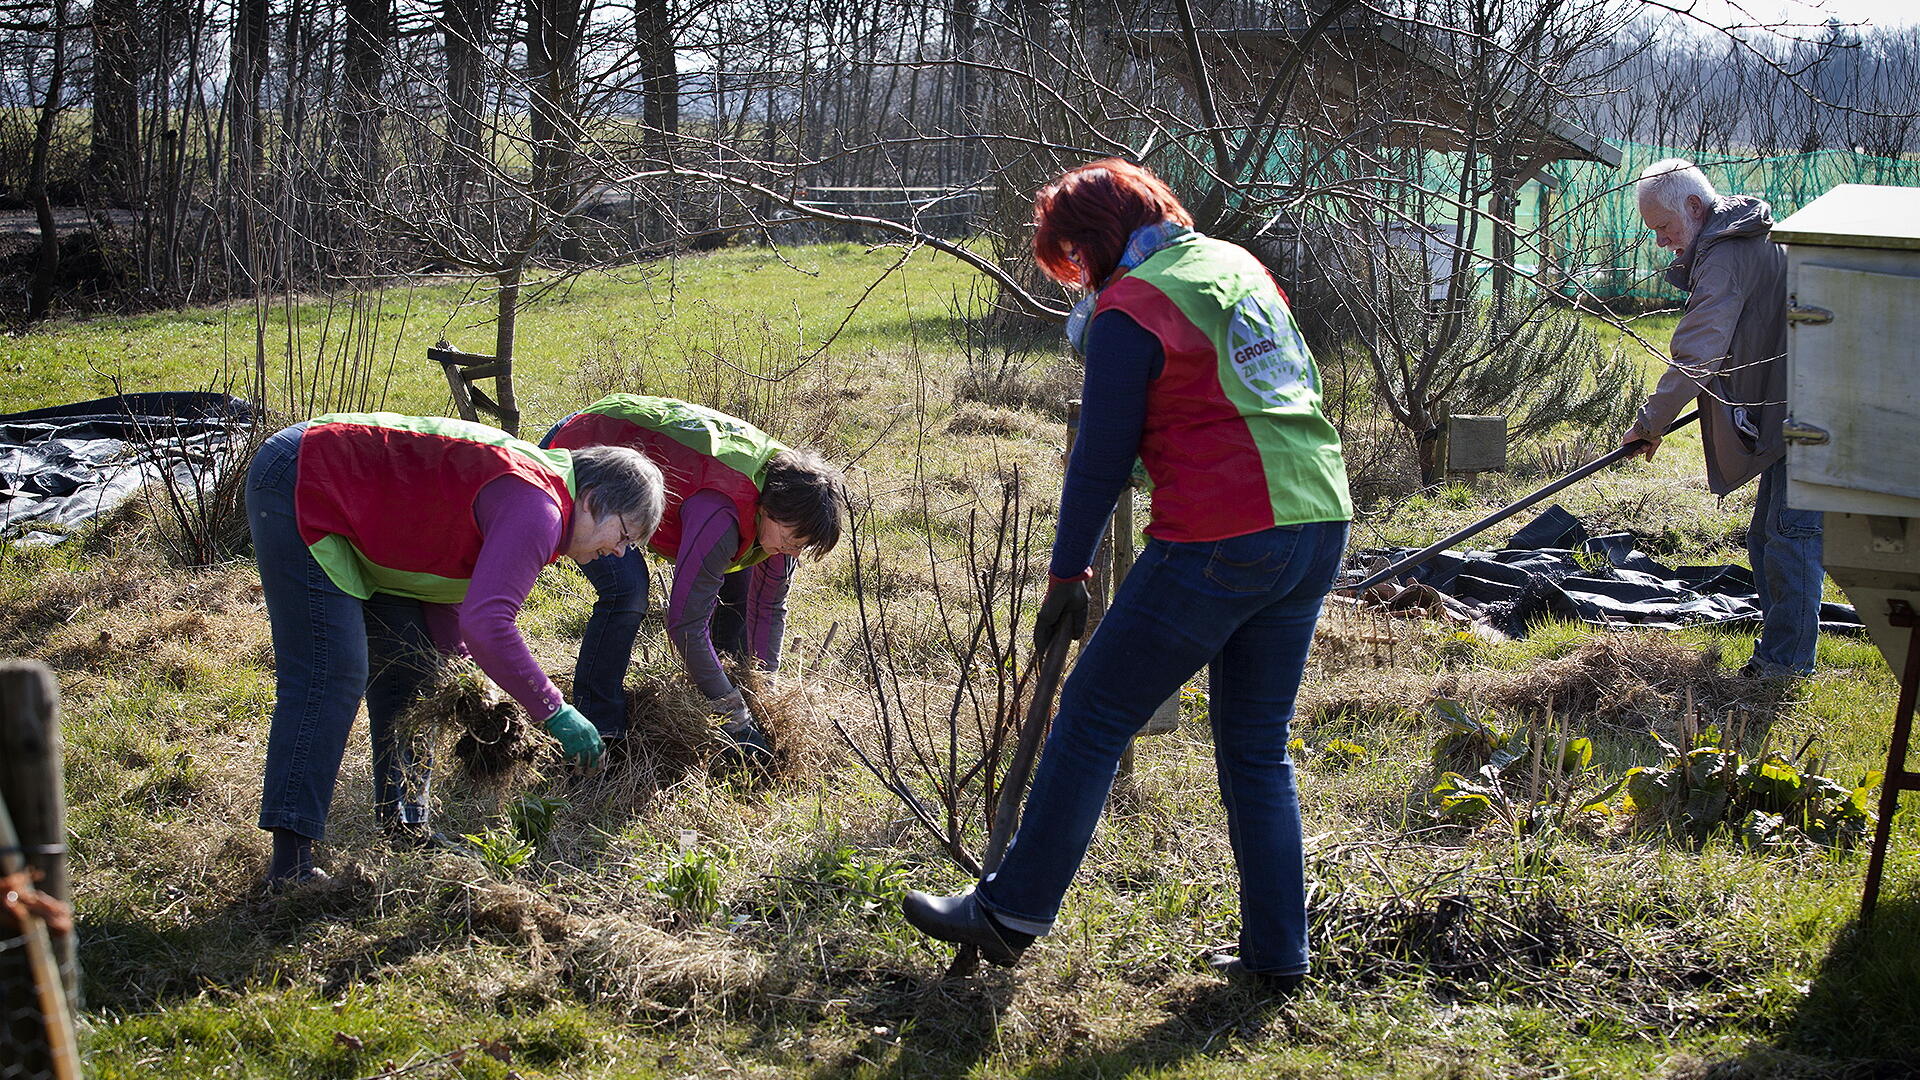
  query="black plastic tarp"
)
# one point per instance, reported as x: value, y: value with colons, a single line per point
x: 65, y: 465
x: 1603, y: 580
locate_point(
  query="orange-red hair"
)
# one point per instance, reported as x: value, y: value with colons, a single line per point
x: 1095, y: 207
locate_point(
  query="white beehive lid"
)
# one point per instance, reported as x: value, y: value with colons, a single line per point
x: 1856, y: 215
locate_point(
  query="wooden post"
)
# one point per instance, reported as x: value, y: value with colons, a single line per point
x: 31, y: 783
x: 1121, y: 533
x: 462, y: 371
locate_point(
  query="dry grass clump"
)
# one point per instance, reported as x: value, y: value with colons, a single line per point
x: 973, y: 418
x: 1628, y: 681
x: 797, y: 713
x: 129, y: 611
x: 1490, y: 934
x: 671, y: 734
x: 1358, y: 666
x: 636, y: 970
x: 669, y: 727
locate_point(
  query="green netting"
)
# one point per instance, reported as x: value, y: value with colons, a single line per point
x: 1580, y: 233
x: 1595, y: 226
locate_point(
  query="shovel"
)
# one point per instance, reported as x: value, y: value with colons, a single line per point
x: 1505, y: 512
x: 1013, y: 785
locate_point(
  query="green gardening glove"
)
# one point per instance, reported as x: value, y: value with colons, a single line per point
x: 579, y: 740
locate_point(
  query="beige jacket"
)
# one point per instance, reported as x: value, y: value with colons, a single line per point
x: 1729, y: 349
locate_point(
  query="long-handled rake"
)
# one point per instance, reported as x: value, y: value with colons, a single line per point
x: 1505, y: 512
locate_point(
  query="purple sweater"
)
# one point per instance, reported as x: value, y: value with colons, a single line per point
x: 709, y: 539
x: 520, y: 527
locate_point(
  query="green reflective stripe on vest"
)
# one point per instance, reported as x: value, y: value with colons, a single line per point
x: 358, y: 576
x: 1265, y: 369
x: 733, y: 442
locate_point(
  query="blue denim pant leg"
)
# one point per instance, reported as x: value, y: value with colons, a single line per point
x: 606, y: 648
x: 1252, y: 686
x: 728, y: 625
x: 1784, y: 546
x: 402, y: 658
x: 319, y: 649
x: 1250, y: 602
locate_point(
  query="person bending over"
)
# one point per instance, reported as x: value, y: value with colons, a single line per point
x: 385, y: 541
x: 740, y: 509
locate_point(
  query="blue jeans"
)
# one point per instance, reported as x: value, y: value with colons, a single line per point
x: 329, y: 647
x: 1784, y: 546
x: 1247, y: 607
x: 606, y: 647
x: 600, y: 673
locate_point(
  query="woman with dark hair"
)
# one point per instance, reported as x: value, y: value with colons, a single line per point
x: 386, y: 540
x: 740, y: 508
x: 1195, y: 366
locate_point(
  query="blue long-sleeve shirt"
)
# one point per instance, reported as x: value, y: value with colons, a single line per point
x: 1122, y: 360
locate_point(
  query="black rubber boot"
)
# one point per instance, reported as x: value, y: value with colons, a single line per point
x: 963, y: 921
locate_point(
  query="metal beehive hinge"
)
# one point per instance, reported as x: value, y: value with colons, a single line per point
x: 1812, y: 316
x: 1804, y: 434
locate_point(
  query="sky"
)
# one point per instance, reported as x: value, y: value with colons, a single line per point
x: 1878, y: 12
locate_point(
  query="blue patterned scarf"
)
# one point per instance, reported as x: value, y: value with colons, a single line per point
x: 1141, y: 245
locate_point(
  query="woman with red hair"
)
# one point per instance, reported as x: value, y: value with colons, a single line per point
x: 1195, y: 366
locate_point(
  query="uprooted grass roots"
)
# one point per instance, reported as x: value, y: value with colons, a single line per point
x: 671, y: 733
x: 492, y: 738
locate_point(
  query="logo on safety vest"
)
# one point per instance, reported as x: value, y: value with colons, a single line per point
x: 1267, y: 353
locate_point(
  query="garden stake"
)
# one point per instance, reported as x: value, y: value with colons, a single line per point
x: 1507, y: 511
x: 1013, y: 786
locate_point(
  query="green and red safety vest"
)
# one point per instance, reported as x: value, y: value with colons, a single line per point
x: 385, y: 502
x: 1234, y: 439
x: 696, y: 448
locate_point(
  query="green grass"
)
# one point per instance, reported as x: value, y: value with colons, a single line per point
x: 706, y: 927
x: 652, y: 322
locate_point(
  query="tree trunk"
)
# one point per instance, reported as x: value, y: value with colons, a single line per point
x: 509, y: 309
x: 465, y: 28
x: 111, y: 155
x: 363, y: 62
x: 554, y: 32
x: 47, y: 268
x: 248, y: 67
x: 659, y: 74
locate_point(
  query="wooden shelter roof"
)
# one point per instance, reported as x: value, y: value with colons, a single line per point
x: 1375, y: 76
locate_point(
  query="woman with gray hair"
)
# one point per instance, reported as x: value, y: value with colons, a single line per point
x: 386, y: 541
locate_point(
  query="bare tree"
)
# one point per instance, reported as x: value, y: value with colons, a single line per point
x: 112, y: 156
x: 369, y: 34
x: 47, y: 265
x: 247, y: 69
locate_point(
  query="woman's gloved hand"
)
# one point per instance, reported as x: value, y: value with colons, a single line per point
x: 579, y: 741
x: 752, y: 748
x: 1063, y: 611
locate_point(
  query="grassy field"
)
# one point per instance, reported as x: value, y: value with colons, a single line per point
x: 662, y: 922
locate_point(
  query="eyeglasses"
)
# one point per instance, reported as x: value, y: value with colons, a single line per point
x: 631, y: 537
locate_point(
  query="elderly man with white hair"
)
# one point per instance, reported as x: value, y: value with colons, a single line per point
x: 1728, y: 352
